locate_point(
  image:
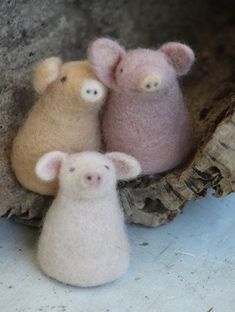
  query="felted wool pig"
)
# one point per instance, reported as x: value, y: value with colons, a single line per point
x: 66, y: 118
x: 145, y: 115
x: 83, y: 240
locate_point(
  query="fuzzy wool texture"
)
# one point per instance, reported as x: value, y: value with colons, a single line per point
x: 65, y: 118
x: 83, y: 240
x: 145, y: 115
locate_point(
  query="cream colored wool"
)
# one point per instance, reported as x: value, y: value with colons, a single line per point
x: 83, y: 240
x: 64, y: 118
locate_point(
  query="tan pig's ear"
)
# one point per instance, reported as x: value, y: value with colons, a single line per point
x: 45, y: 73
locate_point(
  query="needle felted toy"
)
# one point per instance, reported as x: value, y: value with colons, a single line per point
x: 83, y: 240
x: 66, y: 118
x: 145, y: 115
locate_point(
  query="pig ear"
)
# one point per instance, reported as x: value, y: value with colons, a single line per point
x: 180, y: 56
x: 104, y: 55
x: 127, y: 167
x: 45, y: 73
x: 48, y: 166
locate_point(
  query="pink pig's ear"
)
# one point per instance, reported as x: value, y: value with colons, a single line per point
x: 127, y: 167
x: 48, y: 166
x: 104, y: 55
x: 180, y: 55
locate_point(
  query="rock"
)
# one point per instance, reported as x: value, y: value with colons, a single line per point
x: 33, y: 30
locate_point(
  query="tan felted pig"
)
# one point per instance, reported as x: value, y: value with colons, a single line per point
x: 66, y: 118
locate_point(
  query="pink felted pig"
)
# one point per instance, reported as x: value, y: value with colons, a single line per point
x: 145, y: 115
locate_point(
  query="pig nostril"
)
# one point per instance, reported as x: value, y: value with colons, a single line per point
x: 95, y: 92
x: 150, y: 83
x: 93, y: 179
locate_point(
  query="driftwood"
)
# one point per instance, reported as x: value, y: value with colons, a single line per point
x: 209, y: 91
x: 157, y: 200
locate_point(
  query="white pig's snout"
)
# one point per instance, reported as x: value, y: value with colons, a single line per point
x: 92, y: 179
x: 150, y: 83
x: 93, y: 90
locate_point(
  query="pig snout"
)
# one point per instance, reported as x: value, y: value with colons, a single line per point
x: 92, y: 179
x: 150, y: 83
x: 93, y: 91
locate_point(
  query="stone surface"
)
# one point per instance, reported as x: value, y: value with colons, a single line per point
x: 32, y: 30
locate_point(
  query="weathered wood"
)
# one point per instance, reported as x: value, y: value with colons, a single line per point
x: 211, y: 94
x: 210, y: 91
x: 158, y: 201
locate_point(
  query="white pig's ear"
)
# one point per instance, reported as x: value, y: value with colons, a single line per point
x: 180, y: 56
x: 48, y: 166
x: 45, y: 73
x: 127, y: 167
x: 104, y: 55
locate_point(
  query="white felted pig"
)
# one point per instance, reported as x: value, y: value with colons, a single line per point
x: 83, y: 240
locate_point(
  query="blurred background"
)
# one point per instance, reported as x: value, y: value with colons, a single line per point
x: 188, y: 265
x: 31, y: 30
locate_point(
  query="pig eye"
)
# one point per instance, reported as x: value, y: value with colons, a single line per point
x: 107, y: 167
x: 63, y: 79
x: 72, y: 169
x: 121, y: 70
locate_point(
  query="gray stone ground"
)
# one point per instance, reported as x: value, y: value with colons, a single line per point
x: 31, y: 30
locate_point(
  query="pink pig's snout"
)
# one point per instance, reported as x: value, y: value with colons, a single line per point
x: 150, y: 82
x: 92, y: 179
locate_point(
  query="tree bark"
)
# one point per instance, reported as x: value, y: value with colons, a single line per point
x: 209, y: 91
